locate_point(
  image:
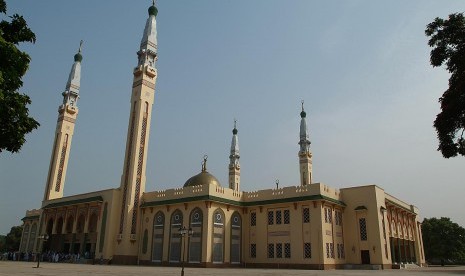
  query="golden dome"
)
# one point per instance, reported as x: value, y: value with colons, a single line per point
x: 203, y: 177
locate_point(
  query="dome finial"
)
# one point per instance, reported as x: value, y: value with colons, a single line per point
x: 78, y: 56
x: 204, y: 163
x: 303, y: 114
x: 235, y: 129
x: 152, y: 9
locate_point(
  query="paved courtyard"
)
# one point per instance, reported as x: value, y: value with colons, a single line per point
x: 9, y: 268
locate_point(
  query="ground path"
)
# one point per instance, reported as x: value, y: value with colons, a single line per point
x: 10, y: 268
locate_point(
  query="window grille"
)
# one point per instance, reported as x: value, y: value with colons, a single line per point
x: 287, y: 217
x: 253, y: 250
x: 270, y: 218
x: 363, y: 229
x: 270, y: 250
x: 253, y: 219
x: 278, y: 217
x: 287, y: 250
x: 307, y: 250
x: 331, y: 248
x: 279, y: 250
x: 338, y: 217
x: 327, y: 250
x: 306, y: 215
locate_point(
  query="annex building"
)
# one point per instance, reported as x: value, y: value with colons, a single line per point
x: 311, y: 225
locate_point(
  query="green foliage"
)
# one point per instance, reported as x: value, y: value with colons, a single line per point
x: 447, y: 38
x: 13, y: 239
x: 2, y: 243
x: 15, y: 122
x: 443, y: 240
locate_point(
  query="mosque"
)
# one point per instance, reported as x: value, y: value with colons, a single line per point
x: 206, y: 224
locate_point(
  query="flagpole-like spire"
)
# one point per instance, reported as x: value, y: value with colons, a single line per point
x: 305, y: 155
x: 71, y: 93
x: 148, y: 44
x: 234, y: 166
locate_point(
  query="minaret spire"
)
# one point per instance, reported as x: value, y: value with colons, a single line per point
x: 71, y: 94
x: 148, y: 45
x: 305, y: 155
x: 67, y: 115
x: 135, y: 161
x: 234, y: 166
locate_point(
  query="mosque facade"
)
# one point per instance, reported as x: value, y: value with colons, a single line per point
x: 205, y: 224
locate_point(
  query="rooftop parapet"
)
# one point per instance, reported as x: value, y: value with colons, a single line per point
x: 402, y: 204
x: 213, y: 192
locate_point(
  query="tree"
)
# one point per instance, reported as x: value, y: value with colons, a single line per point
x: 443, y: 240
x: 2, y: 243
x: 447, y: 37
x: 15, y: 121
x: 13, y: 239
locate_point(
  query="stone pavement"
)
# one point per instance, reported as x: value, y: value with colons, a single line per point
x: 9, y: 268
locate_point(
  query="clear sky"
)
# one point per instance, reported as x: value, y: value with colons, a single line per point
x: 362, y: 68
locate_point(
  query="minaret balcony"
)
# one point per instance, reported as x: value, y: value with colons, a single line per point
x: 71, y: 109
x: 138, y: 70
x: 151, y: 72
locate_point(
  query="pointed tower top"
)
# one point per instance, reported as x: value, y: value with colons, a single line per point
x: 78, y: 56
x: 235, y: 129
x: 153, y: 10
x: 303, y: 114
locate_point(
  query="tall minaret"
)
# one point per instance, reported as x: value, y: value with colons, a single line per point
x: 305, y: 155
x: 142, y: 97
x: 234, y: 166
x: 67, y: 114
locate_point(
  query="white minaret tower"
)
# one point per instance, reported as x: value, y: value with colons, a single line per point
x: 305, y: 155
x: 234, y: 166
x: 67, y: 114
x: 133, y: 177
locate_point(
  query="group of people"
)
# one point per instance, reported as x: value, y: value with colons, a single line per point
x: 17, y: 256
x: 49, y: 256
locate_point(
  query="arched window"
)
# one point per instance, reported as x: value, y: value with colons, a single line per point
x: 59, y: 228
x: 24, y: 238
x: 218, y: 236
x: 50, y: 226
x: 145, y: 241
x: 157, y: 238
x: 69, y: 224
x: 93, y: 220
x: 32, y: 237
x: 80, y: 224
x: 195, y: 242
x: 175, y: 237
x: 236, y: 224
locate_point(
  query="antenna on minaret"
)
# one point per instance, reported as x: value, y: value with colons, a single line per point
x: 302, y: 105
x: 277, y: 184
x: 204, y: 163
x: 80, y: 45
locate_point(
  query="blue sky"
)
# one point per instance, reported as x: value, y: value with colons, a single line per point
x: 362, y: 68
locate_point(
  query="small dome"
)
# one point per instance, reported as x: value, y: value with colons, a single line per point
x: 235, y: 131
x: 303, y: 114
x: 202, y: 178
x: 153, y: 10
x: 78, y: 57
